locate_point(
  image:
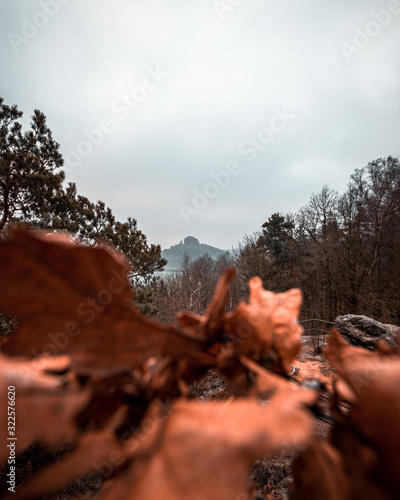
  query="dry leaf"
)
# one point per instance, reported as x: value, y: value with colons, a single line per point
x: 76, y: 300
x: 45, y: 407
x: 98, y: 451
x: 319, y: 473
x: 267, y: 329
x: 375, y: 412
x: 206, y: 448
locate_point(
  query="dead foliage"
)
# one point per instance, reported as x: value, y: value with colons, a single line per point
x: 360, y: 459
x: 92, y: 375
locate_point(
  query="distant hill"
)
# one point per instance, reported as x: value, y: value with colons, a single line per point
x: 193, y: 248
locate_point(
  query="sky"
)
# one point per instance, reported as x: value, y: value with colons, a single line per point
x: 205, y: 117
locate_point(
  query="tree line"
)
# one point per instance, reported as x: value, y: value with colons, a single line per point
x: 342, y: 251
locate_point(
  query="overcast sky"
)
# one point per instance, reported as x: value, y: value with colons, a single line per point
x: 271, y: 99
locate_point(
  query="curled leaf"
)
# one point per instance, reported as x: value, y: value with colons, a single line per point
x: 267, y: 328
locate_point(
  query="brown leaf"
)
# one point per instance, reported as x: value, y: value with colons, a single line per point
x: 28, y: 375
x: 319, y: 473
x: 99, y: 451
x: 207, y: 448
x: 375, y: 381
x: 345, y: 357
x: 76, y: 300
x: 266, y: 328
x: 362, y: 462
x: 44, y: 409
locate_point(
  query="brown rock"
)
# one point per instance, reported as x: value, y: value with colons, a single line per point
x: 365, y: 332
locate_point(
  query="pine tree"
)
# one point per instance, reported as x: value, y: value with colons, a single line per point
x: 32, y: 191
x: 29, y: 167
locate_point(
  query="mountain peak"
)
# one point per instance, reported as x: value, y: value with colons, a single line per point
x: 191, y: 240
x: 192, y: 248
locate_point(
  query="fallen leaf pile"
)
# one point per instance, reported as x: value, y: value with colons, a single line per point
x: 94, y: 375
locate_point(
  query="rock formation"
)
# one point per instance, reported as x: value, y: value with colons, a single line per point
x: 365, y: 332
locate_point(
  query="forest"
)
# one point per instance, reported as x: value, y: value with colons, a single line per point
x: 341, y: 250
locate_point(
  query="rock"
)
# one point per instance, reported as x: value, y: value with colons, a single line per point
x: 365, y: 332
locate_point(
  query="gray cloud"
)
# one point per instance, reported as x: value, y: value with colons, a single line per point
x: 225, y: 80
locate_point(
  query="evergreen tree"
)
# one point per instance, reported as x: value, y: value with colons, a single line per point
x: 29, y: 167
x: 32, y: 191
